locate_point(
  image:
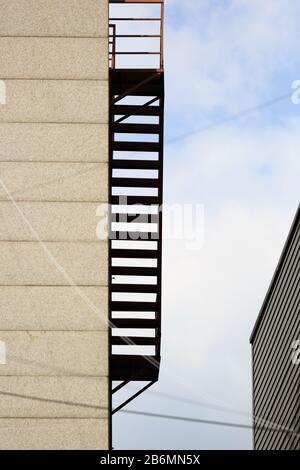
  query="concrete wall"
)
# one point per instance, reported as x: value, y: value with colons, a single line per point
x: 53, y: 169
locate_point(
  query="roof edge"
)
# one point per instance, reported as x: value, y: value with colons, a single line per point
x: 276, y: 274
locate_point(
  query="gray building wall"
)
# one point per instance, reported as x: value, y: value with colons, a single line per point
x: 53, y: 170
x: 276, y: 399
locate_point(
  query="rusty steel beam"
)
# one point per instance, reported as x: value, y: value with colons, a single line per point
x: 136, y: 1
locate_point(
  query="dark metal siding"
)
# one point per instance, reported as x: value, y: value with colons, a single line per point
x: 275, y: 378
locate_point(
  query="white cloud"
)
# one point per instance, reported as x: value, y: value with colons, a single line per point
x: 229, y: 164
x: 222, y: 55
x: 225, y: 54
x: 248, y: 182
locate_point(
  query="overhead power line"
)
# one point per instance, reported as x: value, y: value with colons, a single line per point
x: 151, y: 415
x: 185, y: 418
x: 207, y: 421
x: 203, y: 404
x: 260, y: 422
x: 231, y: 118
x: 226, y: 120
x: 51, y: 400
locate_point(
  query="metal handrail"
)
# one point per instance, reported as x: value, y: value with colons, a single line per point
x: 114, y: 52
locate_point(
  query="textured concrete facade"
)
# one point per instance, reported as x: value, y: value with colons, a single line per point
x: 54, y: 174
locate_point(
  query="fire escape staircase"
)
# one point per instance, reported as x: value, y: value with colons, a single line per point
x: 136, y: 195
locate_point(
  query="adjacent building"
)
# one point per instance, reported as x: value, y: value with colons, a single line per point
x: 275, y: 344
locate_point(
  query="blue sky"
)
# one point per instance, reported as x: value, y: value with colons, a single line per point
x: 222, y: 57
